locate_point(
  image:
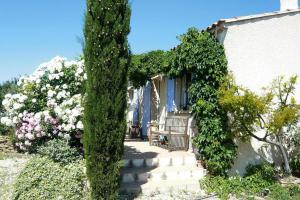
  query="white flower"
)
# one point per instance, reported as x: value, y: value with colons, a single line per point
x: 29, y: 136
x: 15, y: 120
x: 6, y: 121
x: 5, y: 102
x: 8, y: 96
x: 27, y: 143
x: 62, y: 112
x: 20, y: 136
x: 17, y: 106
x: 51, y: 93
x: 65, y: 86
x: 79, y: 125
x: 68, y: 128
x: 67, y: 136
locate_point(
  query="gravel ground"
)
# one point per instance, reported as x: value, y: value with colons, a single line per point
x: 10, y: 167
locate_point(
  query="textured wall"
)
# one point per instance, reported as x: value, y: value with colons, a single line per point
x: 258, y: 51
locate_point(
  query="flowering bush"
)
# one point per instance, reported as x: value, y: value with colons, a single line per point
x: 48, y: 104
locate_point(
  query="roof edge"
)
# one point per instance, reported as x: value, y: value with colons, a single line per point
x: 221, y: 22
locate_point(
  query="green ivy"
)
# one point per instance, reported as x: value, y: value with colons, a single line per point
x: 145, y: 66
x: 202, y: 55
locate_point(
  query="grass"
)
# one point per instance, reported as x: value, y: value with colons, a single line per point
x: 3, y: 156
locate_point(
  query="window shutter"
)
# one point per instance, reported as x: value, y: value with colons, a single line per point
x: 171, y: 95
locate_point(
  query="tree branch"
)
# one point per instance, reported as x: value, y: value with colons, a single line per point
x: 262, y: 122
x: 264, y: 139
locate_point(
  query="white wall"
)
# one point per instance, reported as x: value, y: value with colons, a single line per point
x: 258, y: 51
x: 262, y: 49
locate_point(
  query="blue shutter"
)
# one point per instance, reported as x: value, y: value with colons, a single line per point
x: 146, y: 108
x: 171, y: 95
x: 135, y: 117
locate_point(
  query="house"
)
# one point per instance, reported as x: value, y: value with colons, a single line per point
x: 260, y: 48
x: 159, y: 98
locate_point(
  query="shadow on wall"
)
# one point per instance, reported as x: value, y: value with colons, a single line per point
x: 254, y: 153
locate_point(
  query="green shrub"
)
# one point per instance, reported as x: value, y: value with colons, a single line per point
x: 3, y: 129
x: 59, y: 151
x: 43, y: 179
x: 277, y: 192
x: 265, y: 170
x: 258, y: 181
x: 295, y: 162
x: 202, y: 55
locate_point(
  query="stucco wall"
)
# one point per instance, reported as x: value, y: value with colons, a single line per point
x: 258, y: 51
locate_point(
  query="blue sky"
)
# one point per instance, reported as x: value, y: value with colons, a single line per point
x: 34, y: 31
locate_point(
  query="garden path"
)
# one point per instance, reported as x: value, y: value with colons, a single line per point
x: 10, y: 167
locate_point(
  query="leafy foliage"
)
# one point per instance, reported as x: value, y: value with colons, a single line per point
x: 6, y: 87
x: 42, y: 179
x: 259, y: 181
x: 276, y: 113
x: 295, y: 154
x: 107, y: 57
x: 144, y: 66
x: 47, y: 104
x: 200, y: 54
x: 59, y: 151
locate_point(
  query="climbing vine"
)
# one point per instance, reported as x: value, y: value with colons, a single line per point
x: 144, y: 66
x: 201, y: 55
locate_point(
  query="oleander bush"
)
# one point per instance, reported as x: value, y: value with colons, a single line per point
x: 46, y: 104
x: 42, y: 178
x: 6, y: 87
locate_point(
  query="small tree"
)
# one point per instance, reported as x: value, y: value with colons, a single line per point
x: 107, y: 57
x: 275, y: 113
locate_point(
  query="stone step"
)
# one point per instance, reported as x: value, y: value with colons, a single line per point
x: 143, y: 175
x: 185, y: 160
x: 166, y: 186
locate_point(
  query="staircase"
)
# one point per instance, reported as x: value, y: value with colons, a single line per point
x: 159, y: 171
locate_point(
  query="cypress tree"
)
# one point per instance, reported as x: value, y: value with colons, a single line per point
x: 107, y: 58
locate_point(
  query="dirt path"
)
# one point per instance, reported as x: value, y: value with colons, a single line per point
x: 10, y: 167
